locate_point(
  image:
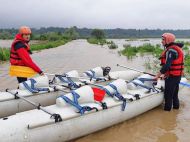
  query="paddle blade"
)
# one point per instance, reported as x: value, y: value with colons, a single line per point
x: 98, y: 94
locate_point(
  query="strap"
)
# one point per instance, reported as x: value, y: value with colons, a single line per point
x: 15, y: 58
x: 146, y: 79
x: 144, y: 86
x: 117, y: 95
x: 89, y: 74
x: 15, y: 53
x: 32, y: 88
x: 180, y: 69
x: 74, y: 102
x: 94, y: 76
x: 68, y: 80
x: 177, y: 64
x: 108, y: 92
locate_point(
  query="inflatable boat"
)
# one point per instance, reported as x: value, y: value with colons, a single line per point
x: 81, y: 112
x: 45, y: 92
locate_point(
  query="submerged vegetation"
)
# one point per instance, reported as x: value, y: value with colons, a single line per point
x: 131, y: 51
x: 112, y: 45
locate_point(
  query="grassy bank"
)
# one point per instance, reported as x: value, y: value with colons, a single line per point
x: 5, y: 52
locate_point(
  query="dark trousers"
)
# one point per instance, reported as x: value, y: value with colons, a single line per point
x: 21, y: 79
x: 171, y: 92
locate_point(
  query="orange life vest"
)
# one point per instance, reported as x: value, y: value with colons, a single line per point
x: 14, y: 58
x: 177, y: 66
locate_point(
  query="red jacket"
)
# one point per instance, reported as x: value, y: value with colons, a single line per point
x: 20, y: 56
x: 177, y: 66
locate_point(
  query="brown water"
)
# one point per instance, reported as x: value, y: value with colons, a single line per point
x: 153, y: 126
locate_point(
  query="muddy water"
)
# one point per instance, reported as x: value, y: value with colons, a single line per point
x: 153, y: 126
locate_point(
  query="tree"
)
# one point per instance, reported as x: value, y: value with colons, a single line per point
x: 98, y: 34
x: 71, y: 33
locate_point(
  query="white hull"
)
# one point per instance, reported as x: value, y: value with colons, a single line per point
x: 13, y: 106
x: 41, y: 127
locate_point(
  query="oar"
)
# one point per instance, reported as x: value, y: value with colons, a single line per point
x: 50, y: 74
x: 181, y: 83
x: 57, y: 117
x: 185, y: 84
x: 135, y: 69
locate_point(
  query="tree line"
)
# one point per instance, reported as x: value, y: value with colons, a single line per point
x: 54, y: 33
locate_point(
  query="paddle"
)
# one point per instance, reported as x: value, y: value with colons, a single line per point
x: 57, y: 117
x: 135, y: 70
x: 185, y: 84
x: 181, y: 83
x: 67, y: 76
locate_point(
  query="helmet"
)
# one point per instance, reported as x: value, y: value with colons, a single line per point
x: 168, y: 37
x: 24, y: 30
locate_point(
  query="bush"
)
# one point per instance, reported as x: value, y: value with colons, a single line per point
x: 112, y: 45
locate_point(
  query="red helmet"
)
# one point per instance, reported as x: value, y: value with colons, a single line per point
x: 168, y: 37
x: 24, y: 30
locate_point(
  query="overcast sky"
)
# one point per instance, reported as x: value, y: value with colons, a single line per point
x: 138, y: 14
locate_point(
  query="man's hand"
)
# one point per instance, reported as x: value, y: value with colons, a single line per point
x: 42, y: 73
x: 159, y: 75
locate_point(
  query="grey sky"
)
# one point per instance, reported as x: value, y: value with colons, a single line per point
x: 152, y: 14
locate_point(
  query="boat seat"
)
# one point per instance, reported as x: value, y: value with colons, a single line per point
x: 36, y: 85
x: 76, y: 98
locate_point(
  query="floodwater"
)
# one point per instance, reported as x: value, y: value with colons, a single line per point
x: 152, y: 126
x: 139, y: 42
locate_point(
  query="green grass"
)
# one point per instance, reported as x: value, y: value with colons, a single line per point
x: 131, y: 51
x: 52, y: 44
x: 187, y: 65
x: 5, y: 52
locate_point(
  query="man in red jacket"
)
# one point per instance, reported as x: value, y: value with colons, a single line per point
x: 22, y: 65
x: 172, y: 62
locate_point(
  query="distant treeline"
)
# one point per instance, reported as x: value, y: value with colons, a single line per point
x: 109, y: 33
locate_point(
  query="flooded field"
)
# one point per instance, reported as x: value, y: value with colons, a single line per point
x: 153, y: 126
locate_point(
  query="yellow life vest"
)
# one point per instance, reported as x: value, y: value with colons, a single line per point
x: 21, y: 71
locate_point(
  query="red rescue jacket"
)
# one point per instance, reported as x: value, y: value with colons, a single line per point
x: 177, y: 66
x: 21, y: 56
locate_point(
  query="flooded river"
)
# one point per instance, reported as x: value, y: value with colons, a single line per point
x: 152, y: 126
